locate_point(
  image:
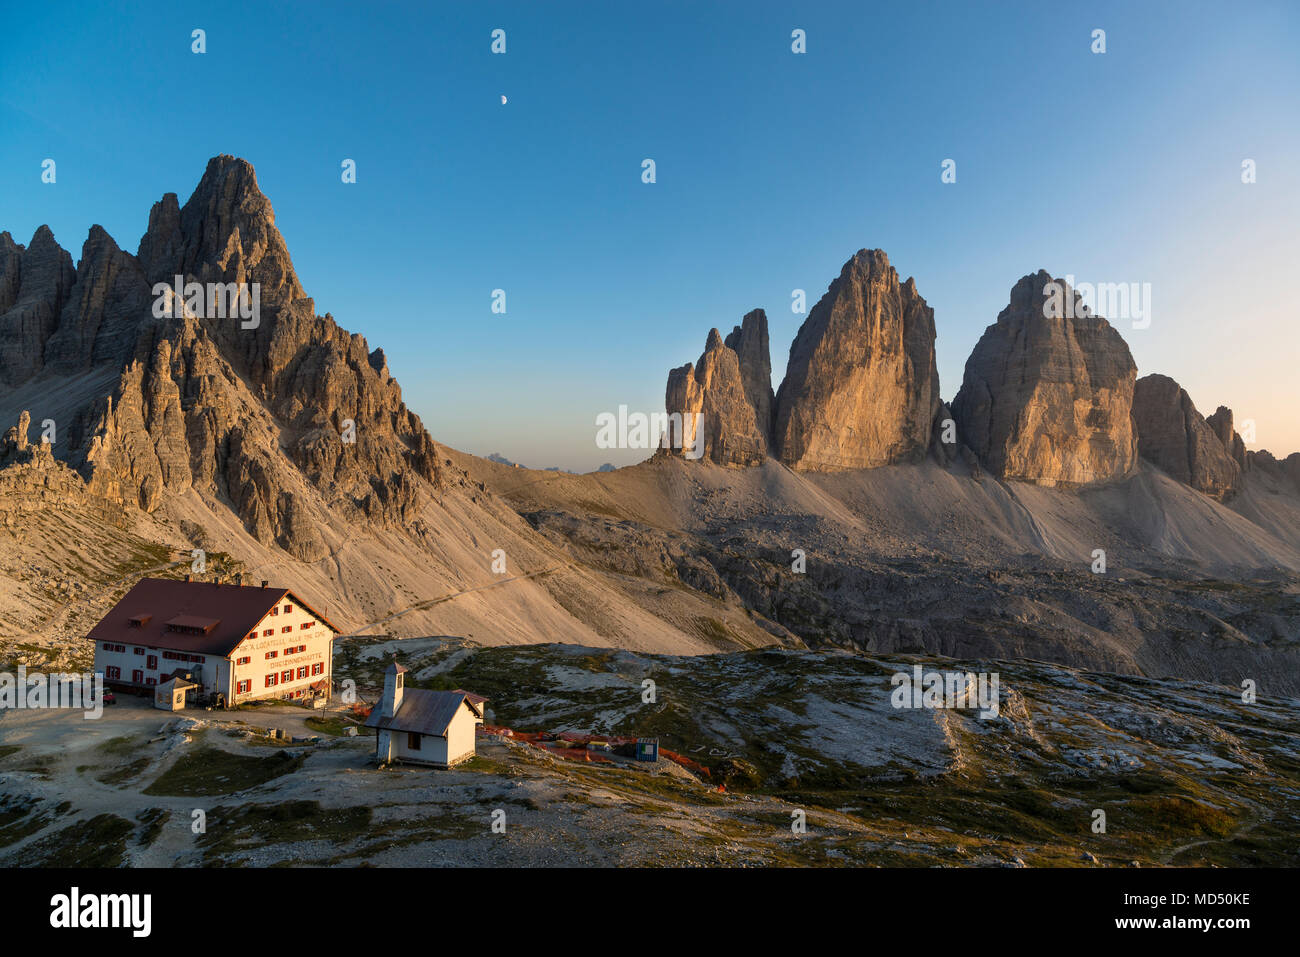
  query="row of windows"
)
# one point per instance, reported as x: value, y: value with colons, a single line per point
x: 288, y: 675
x: 170, y: 655
x: 244, y: 687
x: 114, y: 673
x: 288, y: 609
x: 268, y: 632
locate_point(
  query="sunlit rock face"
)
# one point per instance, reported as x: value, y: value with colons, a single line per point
x: 1047, y: 398
x: 861, y: 387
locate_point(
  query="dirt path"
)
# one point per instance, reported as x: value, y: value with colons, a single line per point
x: 1239, y: 832
x: 430, y: 602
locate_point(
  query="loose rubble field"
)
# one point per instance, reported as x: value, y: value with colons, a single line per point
x: 1185, y: 772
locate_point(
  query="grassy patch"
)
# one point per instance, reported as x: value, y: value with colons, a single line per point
x: 207, y: 771
x: 125, y: 773
x: 120, y: 746
x: 232, y: 830
x: 333, y: 726
x: 98, y: 842
x: 19, y: 818
x: 445, y: 825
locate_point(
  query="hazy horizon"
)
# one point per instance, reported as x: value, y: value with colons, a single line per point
x: 1122, y: 167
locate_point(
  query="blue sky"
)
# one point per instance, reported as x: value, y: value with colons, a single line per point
x: 772, y: 169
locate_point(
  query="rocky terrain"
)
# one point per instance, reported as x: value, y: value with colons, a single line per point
x: 1049, y: 399
x: 282, y: 450
x: 1184, y: 773
x: 1177, y: 439
x: 717, y: 397
x: 926, y: 558
x: 852, y: 509
x: 152, y: 407
x: 861, y: 386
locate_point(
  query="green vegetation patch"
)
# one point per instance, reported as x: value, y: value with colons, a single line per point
x: 98, y: 842
x: 231, y: 830
x: 331, y: 725
x: 208, y: 771
x: 125, y: 773
x: 19, y: 818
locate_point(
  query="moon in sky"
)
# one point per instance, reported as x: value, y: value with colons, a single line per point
x: 503, y: 99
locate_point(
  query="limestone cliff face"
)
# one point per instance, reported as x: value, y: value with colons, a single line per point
x: 1222, y: 424
x: 1176, y: 438
x: 731, y: 431
x: 34, y: 285
x: 861, y: 387
x: 1049, y: 400
x: 248, y: 415
x: 103, y: 311
x: 1290, y: 467
x: 749, y: 341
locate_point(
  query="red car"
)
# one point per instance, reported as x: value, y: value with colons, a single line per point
x: 109, y: 698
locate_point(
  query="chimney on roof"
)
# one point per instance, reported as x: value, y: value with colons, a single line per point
x: 189, y: 578
x: 239, y: 578
x: 264, y: 583
x: 217, y: 581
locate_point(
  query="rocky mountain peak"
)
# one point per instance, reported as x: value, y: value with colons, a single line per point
x: 729, y: 430
x: 749, y: 341
x: 225, y: 232
x: 862, y: 386
x: 1048, y: 399
x: 252, y: 414
x: 1176, y: 438
x: 1222, y: 424
x: 34, y: 285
